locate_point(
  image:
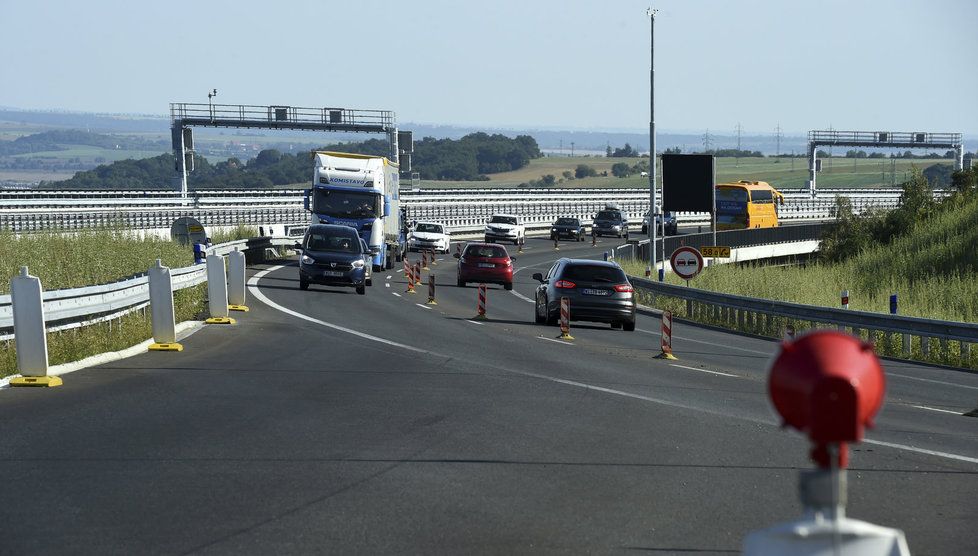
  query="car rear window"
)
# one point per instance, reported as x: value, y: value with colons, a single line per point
x: 609, y: 215
x: 429, y: 228
x: 594, y: 273
x: 503, y: 220
x: 567, y: 221
x: 490, y: 251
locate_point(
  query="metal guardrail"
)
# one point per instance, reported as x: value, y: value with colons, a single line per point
x: 76, y: 307
x: 741, y: 310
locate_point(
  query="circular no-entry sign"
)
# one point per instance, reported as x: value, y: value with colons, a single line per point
x: 686, y: 262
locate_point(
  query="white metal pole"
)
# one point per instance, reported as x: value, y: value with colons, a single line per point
x: 652, y: 224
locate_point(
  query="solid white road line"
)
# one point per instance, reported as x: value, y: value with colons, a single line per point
x: 521, y: 296
x: 475, y: 322
x: 423, y: 306
x: 932, y: 380
x: 702, y: 370
x: 397, y: 294
x: 253, y: 288
x: 935, y: 409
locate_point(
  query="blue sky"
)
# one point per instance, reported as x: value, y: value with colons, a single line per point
x: 902, y: 65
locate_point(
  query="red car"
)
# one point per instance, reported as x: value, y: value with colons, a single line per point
x: 485, y: 263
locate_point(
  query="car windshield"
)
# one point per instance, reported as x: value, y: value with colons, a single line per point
x: 594, y: 273
x: 567, y: 222
x: 429, y: 228
x: 347, y: 204
x: 487, y: 251
x: 325, y: 241
x: 503, y: 220
x: 608, y: 215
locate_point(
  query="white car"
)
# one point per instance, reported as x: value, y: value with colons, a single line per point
x: 505, y: 227
x: 429, y: 236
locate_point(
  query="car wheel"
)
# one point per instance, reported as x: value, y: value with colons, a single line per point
x: 508, y: 286
x: 537, y: 318
x: 461, y: 283
x: 552, y: 319
x: 370, y: 281
x: 629, y: 326
x: 616, y: 325
x: 303, y: 284
x: 361, y: 290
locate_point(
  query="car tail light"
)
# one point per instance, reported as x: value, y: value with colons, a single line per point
x: 564, y: 284
x: 624, y: 288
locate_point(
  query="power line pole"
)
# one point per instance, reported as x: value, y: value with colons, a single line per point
x: 737, y: 158
x: 706, y: 140
x: 572, y: 148
x: 777, y: 136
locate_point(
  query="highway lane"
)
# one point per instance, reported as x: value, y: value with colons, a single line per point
x: 284, y: 434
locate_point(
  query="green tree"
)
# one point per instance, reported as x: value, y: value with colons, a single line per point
x: 620, y: 169
x: 584, y: 171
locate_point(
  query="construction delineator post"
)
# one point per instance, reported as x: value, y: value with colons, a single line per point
x: 666, y: 343
x: 30, y: 335
x: 217, y: 291
x: 161, y: 309
x: 431, y: 290
x: 481, y: 307
x: 565, y: 319
x: 236, y: 281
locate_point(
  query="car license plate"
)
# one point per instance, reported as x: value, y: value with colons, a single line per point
x: 487, y: 265
x: 590, y: 291
x: 332, y: 273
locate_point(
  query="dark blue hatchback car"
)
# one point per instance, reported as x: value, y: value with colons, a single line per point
x: 333, y: 256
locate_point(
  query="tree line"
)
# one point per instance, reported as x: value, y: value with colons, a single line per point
x: 466, y: 159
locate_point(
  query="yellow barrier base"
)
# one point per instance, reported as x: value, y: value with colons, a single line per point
x: 243, y: 308
x: 667, y: 355
x: 40, y: 381
x: 220, y: 320
x: 431, y: 302
x: 480, y: 317
x: 166, y: 347
x: 565, y: 336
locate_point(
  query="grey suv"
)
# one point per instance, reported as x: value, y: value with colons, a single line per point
x: 598, y: 291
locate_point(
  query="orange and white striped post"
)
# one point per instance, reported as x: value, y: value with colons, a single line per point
x: 410, y: 276
x: 417, y: 274
x: 481, y: 314
x: 666, y: 336
x: 407, y: 267
x: 433, y: 261
x: 424, y: 259
x: 565, y: 319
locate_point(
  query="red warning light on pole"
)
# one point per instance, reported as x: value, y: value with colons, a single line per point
x: 828, y: 385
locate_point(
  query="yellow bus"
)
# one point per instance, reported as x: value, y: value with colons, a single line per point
x: 747, y: 204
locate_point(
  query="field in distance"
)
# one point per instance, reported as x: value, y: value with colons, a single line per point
x: 782, y: 173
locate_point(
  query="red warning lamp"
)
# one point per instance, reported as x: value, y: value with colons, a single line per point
x: 828, y: 385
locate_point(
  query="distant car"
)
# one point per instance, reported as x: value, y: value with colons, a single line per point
x: 567, y: 227
x: 334, y: 256
x: 598, y: 291
x: 610, y: 222
x: 505, y: 227
x: 669, y: 219
x: 485, y: 263
x: 429, y: 236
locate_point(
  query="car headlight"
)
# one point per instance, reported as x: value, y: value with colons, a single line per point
x: 358, y: 264
x: 553, y: 229
x: 306, y: 259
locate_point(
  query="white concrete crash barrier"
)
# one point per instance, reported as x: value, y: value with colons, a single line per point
x: 217, y: 291
x: 29, y: 334
x: 236, y: 281
x: 161, y: 309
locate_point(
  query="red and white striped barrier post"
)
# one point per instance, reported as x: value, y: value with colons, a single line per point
x: 666, y: 336
x: 410, y: 276
x: 433, y: 262
x: 407, y: 267
x: 481, y: 314
x: 417, y: 274
x: 565, y: 319
x: 424, y: 259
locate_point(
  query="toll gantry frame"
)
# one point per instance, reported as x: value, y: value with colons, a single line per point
x: 185, y: 116
x: 886, y: 139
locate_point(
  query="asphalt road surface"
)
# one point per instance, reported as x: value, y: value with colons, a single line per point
x: 327, y: 422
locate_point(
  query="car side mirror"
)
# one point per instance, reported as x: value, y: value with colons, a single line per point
x: 538, y: 277
x: 374, y: 250
x: 297, y: 246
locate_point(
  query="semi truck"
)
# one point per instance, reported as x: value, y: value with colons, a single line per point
x: 360, y: 191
